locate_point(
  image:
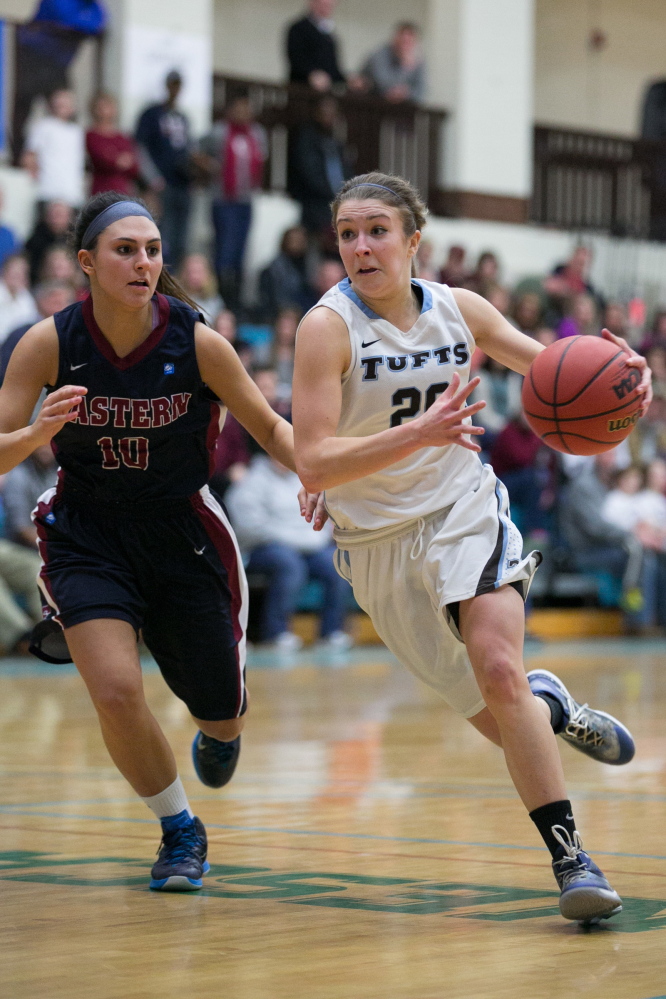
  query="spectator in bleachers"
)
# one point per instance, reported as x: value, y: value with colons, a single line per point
x: 318, y: 166
x: 235, y: 151
x: 17, y: 305
x: 396, y: 71
x: 485, y: 275
x: 163, y: 138
x: 226, y: 326
x: 284, y: 343
x: 112, y: 155
x: 454, y: 271
x: 18, y: 572
x: 49, y: 298
x: 59, y: 266
x: 54, y: 152
x: 596, y: 543
x: 312, y: 48
x: 198, y: 281
x: 581, y: 319
x: 23, y: 486
x: 9, y: 241
x: 631, y: 506
x: 657, y: 335
x: 616, y: 319
x: 648, y: 439
x: 499, y: 297
x: 281, y: 545
x: 522, y: 462
x: 527, y: 313
x: 570, y: 279
x: 500, y: 388
x: 45, y: 48
x: 50, y: 230
x: 232, y: 456
x: 328, y: 274
x: 545, y: 335
x: 266, y: 379
x: 656, y: 358
x: 284, y: 282
x: 424, y: 261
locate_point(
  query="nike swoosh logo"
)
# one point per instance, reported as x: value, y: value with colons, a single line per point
x: 197, y: 552
x: 570, y: 818
x: 370, y: 344
x: 75, y: 367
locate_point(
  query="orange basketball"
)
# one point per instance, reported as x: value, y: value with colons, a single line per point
x: 580, y: 395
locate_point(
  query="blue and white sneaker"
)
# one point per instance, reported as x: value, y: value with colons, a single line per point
x: 594, y: 733
x: 181, y: 861
x: 214, y: 761
x: 586, y: 894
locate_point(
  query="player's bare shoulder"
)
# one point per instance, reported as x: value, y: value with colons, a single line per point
x: 36, y: 355
x: 475, y: 310
x: 325, y: 332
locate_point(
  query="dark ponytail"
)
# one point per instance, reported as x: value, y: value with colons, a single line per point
x: 166, y: 284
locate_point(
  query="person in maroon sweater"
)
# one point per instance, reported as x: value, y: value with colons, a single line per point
x: 520, y: 459
x: 112, y: 155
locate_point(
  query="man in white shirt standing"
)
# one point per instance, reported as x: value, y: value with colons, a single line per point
x: 55, y: 152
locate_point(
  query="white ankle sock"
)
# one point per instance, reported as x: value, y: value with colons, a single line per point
x: 170, y: 801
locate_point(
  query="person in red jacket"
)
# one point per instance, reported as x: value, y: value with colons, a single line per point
x: 112, y: 155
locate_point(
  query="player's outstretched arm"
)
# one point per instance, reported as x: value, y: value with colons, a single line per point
x: 494, y: 334
x: 221, y: 370
x: 33, y: 364
x: 323, y: 459
x: 225, y: 375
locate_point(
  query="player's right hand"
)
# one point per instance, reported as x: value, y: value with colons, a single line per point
x: 442, y: 424
x: 59, y: 408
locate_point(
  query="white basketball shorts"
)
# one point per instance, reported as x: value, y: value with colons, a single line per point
x: 406, y: 577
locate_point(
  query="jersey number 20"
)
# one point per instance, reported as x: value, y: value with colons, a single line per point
x: 133, y: 452
x: 413, y: 397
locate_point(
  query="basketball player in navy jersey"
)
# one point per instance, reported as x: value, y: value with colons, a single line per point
x: 131, y: 538
x: 423, y: 529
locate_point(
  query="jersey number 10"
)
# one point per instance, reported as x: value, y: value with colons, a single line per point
x: 133, y: 452
x: 413, y: 397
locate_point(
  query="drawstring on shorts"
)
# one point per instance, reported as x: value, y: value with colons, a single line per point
x: 417, y: 547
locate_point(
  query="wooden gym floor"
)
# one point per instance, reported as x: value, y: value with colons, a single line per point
x: 370, y: 846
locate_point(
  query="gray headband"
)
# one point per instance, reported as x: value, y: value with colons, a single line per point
x: 382, y: 186
x: 114, y: 213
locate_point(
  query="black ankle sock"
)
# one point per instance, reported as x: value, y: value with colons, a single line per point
x: 556, y: 712
x: 556, y: 813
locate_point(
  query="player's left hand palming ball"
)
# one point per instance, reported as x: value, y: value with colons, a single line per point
x: 584, y: 394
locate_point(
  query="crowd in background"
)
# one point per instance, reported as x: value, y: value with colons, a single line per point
x: 605, y: 516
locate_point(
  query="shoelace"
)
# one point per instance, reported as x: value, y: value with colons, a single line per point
x: 417, y: 547
x: 580, y: 729
x: 573, y: 847
x: 178, y: 843
x: 222, y: 751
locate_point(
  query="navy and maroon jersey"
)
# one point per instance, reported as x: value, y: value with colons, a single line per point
x: 148, y: 426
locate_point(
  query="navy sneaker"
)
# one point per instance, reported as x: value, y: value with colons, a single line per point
x: 586, y: 894
x: 594, y: 733
x: 214, y: 761
x: 181, y: 861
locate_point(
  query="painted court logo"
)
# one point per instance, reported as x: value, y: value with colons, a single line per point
x: 324, y: 889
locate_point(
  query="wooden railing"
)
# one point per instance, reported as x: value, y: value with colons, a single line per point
x: 396, y: 138
x: 586, y: 180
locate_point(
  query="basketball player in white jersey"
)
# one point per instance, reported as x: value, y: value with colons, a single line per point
x: 422, y: 527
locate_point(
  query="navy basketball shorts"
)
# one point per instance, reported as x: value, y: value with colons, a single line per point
x: 174, y: 572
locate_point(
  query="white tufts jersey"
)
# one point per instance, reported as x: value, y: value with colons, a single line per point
x: 393, y: 377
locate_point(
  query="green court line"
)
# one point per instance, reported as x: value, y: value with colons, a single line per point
x: 336, y: 835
